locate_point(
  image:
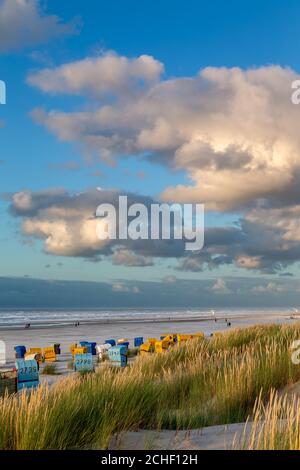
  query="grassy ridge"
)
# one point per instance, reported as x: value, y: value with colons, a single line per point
x: 203, y: 382
x: 275, y: 426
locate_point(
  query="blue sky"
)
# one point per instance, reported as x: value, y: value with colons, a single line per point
x: 185, y: 37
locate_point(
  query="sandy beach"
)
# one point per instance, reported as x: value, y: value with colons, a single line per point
x: 43, y: 336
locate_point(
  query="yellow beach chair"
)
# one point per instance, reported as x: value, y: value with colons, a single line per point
x: 184, y: 338
x: 37, y: 353
x: 161, y: 346
x: 81, y: 350
x: 146, y: 348
x: 171, y: 338
x: 49, y: 354
x: 72, y: 348
x: 152, y: 341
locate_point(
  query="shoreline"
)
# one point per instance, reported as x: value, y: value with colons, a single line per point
x: 150, y: 320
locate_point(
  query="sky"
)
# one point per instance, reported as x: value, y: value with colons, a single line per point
x: 185, y: 102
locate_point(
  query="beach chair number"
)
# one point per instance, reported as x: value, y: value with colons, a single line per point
x: 29, y: 370
x: 84, y: 361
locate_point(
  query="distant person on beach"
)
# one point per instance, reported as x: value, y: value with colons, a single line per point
x: 214, y: 316
x: 27, y: 326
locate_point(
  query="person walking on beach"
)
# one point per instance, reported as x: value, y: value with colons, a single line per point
x: 214, y: 315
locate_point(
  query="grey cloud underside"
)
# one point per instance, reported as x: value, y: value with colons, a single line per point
x: 265, y: 240
x: 23, y: 23
x: 252, y: 246
x: 67, y: 224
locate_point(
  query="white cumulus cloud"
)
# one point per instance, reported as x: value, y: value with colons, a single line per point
x: 234, y: 132
x: 108, y: 73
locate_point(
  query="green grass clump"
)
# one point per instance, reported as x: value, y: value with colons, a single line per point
x: 132, y: 352
x: 50, y: 369
x: 199, y: 383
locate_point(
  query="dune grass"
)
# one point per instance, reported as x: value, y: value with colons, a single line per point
x: 200, y: 383
x: 275, y: 425
x: 50, y: 369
